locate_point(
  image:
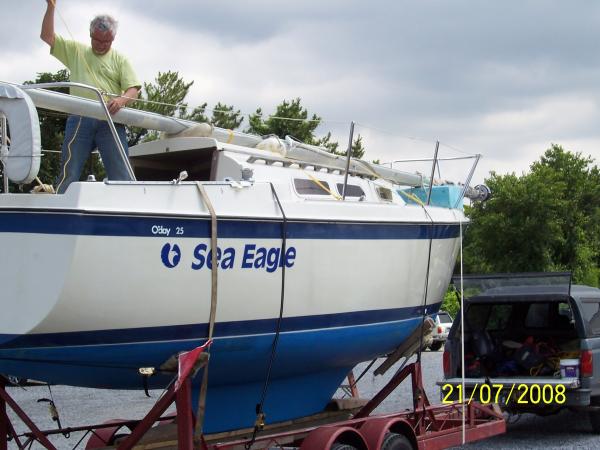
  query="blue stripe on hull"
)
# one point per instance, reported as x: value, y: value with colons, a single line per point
x: 121, y: 225
x: 200, y: 331
x: 308, y: 368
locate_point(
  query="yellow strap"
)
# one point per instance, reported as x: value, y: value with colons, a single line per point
x: 230, y: 138
x: 413, y: 197
x: 201, y: 411
x: 322, y: 186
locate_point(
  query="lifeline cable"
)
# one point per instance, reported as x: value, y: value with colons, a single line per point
x: 462, y: 334
x: 259, y: 407
x: 424, y: 314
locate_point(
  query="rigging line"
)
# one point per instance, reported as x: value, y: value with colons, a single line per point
x: 381, y: 130
x: 363, y: 373
x: 414, y: 138
x: 260, y: 405
x: 462, y: 332
x: 426, y: 283
x: 243, y: 114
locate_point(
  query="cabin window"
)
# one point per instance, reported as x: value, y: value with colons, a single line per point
x: 384, y: 194
x: 310, y: 187
x: 352, y: 190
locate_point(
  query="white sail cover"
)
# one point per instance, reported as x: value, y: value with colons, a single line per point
x: 22, y: 157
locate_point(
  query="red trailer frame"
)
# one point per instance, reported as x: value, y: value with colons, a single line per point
x: 424, y: 427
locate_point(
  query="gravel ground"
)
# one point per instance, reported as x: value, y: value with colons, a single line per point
x: 80, y: 406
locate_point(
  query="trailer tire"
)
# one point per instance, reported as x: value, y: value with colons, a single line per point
x: 338, y: 446
x: 394, y: 441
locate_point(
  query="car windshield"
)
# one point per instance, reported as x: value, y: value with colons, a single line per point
x: 445, y: 318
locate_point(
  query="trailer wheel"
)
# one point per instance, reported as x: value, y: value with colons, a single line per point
x: 394, y: 441
x: 334, y: 438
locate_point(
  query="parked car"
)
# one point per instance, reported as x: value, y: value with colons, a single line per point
x: 531, y: 344
x: 439, y: 333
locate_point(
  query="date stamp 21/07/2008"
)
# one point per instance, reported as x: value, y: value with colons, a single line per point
x: 503, y: 394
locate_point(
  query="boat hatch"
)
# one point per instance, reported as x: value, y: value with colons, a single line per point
x: 163, y: 160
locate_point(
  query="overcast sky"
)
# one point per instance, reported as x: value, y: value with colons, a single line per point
x: 502, y: 78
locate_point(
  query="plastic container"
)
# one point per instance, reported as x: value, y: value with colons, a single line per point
x: 569, y: 368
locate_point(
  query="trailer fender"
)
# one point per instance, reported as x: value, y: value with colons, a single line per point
x: 326, y: 438
x: 374, y: 430
x: 103, y: 437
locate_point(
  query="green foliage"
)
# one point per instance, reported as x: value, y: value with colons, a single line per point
x: 358, y: 150
x: 292, y: 119
x: 224, y: 116
x: 547, y: 219
x: 165, y: 95
x: 451, y: 302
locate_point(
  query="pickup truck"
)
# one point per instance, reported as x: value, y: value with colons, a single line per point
x: 531, y: 344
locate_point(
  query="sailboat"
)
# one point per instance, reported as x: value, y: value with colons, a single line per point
x: 311, y: 262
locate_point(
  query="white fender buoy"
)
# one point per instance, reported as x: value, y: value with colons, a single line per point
x: 22, y: 158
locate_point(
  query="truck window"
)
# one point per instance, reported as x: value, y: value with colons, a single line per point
x: 476, y: 317
x: 499, y: 317
x: 538, y: 315
x: 590, y: 310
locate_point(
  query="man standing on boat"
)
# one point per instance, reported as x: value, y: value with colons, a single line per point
x: 100, y: 66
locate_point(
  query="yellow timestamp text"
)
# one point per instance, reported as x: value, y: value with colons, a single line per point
x: 503, y: 394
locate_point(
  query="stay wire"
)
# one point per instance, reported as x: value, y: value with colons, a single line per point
x: 424, y: 313
x: 260, y: 405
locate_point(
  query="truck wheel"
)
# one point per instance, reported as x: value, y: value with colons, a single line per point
x: 338, y: 446
x: 435, y: 346
x: 595, y: 415
x: 394, y: 441
x: 595, y: 421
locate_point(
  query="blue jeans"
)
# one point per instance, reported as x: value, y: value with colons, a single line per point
x: 82, y: 136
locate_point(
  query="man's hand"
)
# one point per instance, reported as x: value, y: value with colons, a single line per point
x: 115, y: 105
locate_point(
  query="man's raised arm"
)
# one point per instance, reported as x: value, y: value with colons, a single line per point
x: 47, y: 33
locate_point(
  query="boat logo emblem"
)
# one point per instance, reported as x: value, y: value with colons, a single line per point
x: 170, y: 255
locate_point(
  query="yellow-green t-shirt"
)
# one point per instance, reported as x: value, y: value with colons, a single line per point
x: 110, y: 72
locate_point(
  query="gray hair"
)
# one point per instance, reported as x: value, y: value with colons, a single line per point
x: 104, y: 23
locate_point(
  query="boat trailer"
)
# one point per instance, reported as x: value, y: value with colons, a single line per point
x: 424, y: 427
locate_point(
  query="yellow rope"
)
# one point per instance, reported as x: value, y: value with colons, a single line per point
x: 412, y: 197
x: 70, y: 154
x: 322, y: 186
